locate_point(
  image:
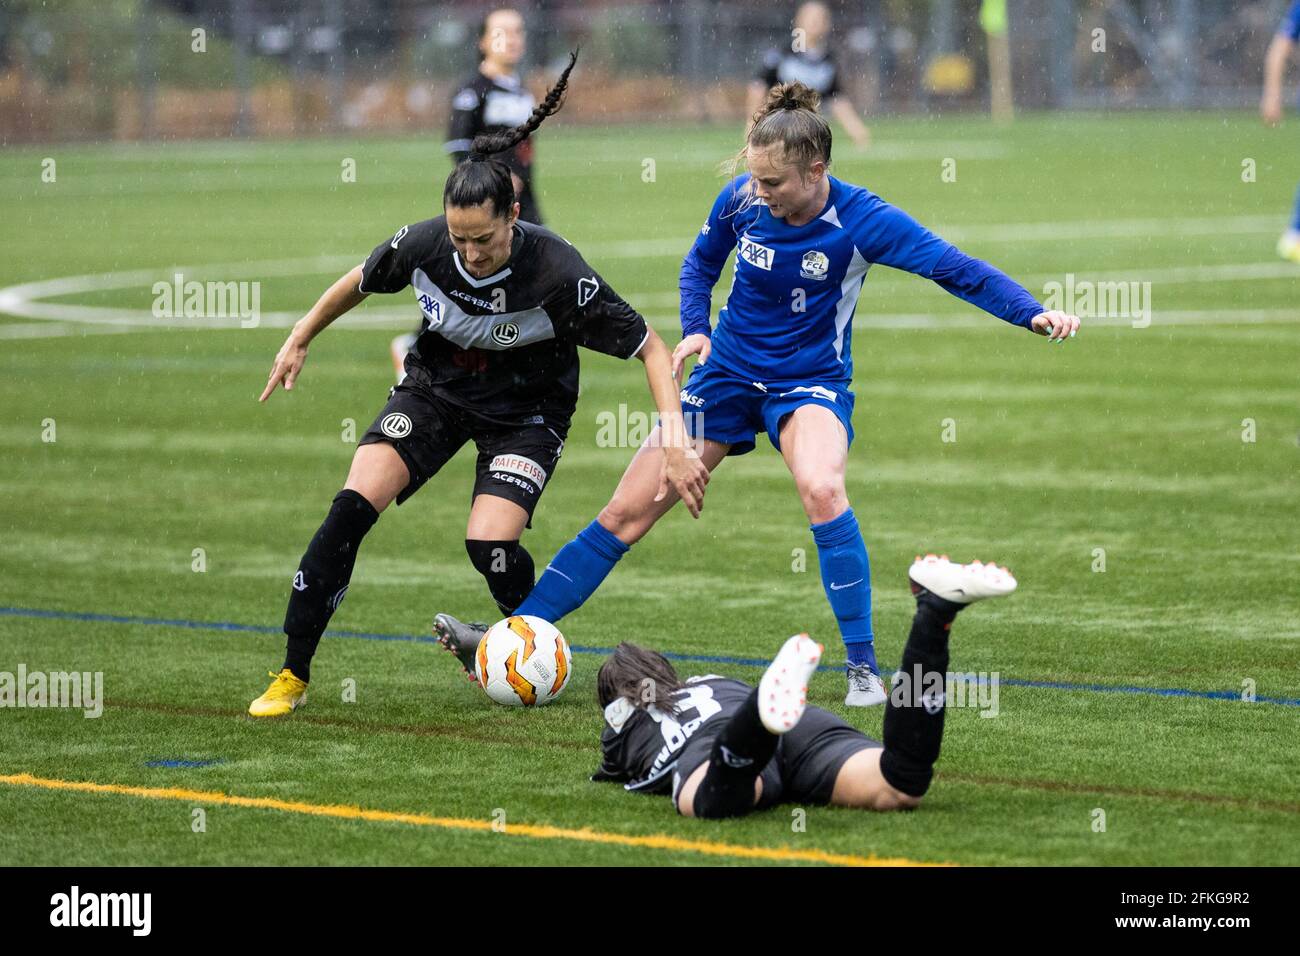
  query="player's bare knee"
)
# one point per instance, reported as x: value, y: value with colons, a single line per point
x: 625, y: 522
x: 824, y: 500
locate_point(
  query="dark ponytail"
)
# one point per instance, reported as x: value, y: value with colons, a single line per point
x: 480, y: 177
x: 642, y: 676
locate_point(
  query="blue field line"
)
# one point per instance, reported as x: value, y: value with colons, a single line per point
x: 582, y: 649
x: 182, y: 764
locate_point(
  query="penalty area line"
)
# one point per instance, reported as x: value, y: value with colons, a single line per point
x: 529, y: 830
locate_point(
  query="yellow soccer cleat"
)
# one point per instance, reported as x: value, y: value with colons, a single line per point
x: 1288, y: 247
x: 285, y: 693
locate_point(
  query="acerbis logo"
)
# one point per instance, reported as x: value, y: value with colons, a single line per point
x: 401, y: 234
x: 815, y: 265
x: 587, y: 289
x: 337, y: 599
x: 521, y: 466
x: 396, y: 425
x: 506, y: 334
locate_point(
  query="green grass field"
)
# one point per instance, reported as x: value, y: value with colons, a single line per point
x: 1126, y: 439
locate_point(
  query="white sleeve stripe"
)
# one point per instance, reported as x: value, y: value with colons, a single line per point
x: 648, y: 781
x: 644, y: 340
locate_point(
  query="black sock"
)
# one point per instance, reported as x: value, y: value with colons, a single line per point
x: 322, y: 578
x: 914, y: 711
x: 508, y: 568
x: 739, y: 755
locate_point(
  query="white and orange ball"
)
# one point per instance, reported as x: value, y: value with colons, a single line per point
x: 523, y: 661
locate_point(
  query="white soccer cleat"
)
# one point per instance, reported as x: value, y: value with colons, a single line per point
x: 783, y: 691
x: 866, y: 689
x: 960, y: 583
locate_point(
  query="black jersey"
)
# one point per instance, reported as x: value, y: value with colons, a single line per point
x: 485, y: 105
x: 815, y: 69
x: 504, y: 346
x: 640, y: 746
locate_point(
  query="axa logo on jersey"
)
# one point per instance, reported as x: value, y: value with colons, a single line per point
x: 755, y: 254
x: 432, y: 309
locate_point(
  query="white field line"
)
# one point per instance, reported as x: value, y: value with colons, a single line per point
x: 26, y: 300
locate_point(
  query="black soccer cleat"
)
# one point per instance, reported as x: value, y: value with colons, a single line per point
x: 460, y: 639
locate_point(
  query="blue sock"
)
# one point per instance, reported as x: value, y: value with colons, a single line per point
x: 574, y: 573
x: 846, y: 577
x: 1295, y: 215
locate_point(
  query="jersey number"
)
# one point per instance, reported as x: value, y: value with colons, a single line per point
x: 698, y: 698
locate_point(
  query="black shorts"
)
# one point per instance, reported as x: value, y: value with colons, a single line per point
x: 515, y: 462
x: 806, y: 763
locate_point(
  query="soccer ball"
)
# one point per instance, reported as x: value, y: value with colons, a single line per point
x: 523, y: 661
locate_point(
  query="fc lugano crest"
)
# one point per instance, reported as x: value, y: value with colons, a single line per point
x: 396, y: 425
x: 506, y: 334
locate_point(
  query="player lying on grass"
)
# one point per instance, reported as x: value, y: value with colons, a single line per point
x: 780, y: 361
x: 724, y: 748
x: 505, y: 306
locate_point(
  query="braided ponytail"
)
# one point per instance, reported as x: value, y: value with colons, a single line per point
x: 481, y: 177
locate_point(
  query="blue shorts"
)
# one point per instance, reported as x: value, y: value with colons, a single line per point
x: 725, y: 408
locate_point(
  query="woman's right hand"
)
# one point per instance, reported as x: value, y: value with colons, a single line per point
x: 288, y: 363
x: 1270, y: 108
x: 691, y: 345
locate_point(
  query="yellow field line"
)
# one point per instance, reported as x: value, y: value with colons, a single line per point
x: 656, y: 842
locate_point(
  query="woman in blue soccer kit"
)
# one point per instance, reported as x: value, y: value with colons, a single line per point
x: 1270, y: 108
x: 780, y: 361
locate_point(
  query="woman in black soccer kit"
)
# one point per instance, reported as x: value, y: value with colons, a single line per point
x: 505, y: 305
x: 492, y: 99
x: 810, y: 62
x: 724, y: 748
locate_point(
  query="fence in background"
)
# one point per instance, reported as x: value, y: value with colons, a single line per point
x: 142, y: 69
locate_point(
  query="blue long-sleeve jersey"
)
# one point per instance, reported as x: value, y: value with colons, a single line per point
x: 1290, y: 26
x: 789, y: 314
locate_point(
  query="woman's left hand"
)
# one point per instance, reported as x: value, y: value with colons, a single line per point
x: 686, y: 474
x: 1057, y: 326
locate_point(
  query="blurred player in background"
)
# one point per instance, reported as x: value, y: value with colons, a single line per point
x: 492, y: 99
x: 724, y: 748
x: 808, y: 60
x: 780, y: 361
x: 506, y: 304
x: 1270, y: 107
